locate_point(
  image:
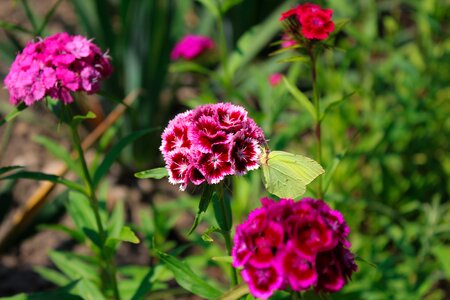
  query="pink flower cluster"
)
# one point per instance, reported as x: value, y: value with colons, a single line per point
x: 55, y: 67
x: 315, y: 22
x: 295, y: 245
x: 210, y: 142
x: 191, y: 46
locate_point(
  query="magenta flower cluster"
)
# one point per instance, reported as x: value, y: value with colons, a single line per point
x: 209, y: 143
x: 55, y: 67
x: 191, y: 46
x: 296, y: 245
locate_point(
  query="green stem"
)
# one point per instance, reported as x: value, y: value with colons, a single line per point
x: 317, y: 127
x: 223, y: 211
x: 109, y: 268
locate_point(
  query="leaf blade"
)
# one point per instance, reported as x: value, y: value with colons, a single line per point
x: 156, y: 173
x: 301, y: 98
x: 186, y: 278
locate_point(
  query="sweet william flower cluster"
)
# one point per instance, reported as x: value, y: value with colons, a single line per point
x: 209, y: 143
x: 55, y: 67
x: 312, y: 21
x: 296, y: 245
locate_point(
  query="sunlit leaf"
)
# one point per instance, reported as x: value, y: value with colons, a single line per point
x: 236, y: 292
x: 300, y: 97
x: 156, y: 173
x: 186, y: 278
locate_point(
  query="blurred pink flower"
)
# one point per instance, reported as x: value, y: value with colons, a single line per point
x: 191, y: 46
x: 275, y: 79
x: 55, y: 67
x: 295, y: 245
x: 287, y: 41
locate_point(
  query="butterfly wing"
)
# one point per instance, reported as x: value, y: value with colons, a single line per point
x: 286, y: 175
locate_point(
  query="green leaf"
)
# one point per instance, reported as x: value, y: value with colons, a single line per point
x: 441, y: 253
x: 14, y: 113
x: 76, y: 235
x: 51, y: 275
x: 89, y: 291
x: 202, y: 206
x: 228, y: 4
x: 186, y: 278
x: 297, y: 58
x: 66, y: 293
x: 225, y: 259
x: 30, y: 15
x: 236, y: 292
x: 117, y: 219
x: 7, y: 26
x: 74, y: 266
x: 339, y: 25
x: 45, y: 177
x: 4, y: 170
x: 211, y: 6
x: 127, y: 235
x: 59, y: 152
x: 286, y: 175
x: 79, y: 209
x: 359, y: 258
x: 79, y: 118
x: 206, y: 235
x: 301, y: 98
x: 115, y: 151
x: 156, y: 173
x: 222, y: 209
x: 47, y: 17
x: 282, y: 49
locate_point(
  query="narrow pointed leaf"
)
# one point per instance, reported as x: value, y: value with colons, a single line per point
x: 301, y: 98
x: 186, y: 278
x: 47, y: 17
x: 156, y: 173
x: 7, y: 169
x: 45, y: 177
x: 13, y: 27
x: 14, y: 113
x: 236, y: 292
x: 51, y: 275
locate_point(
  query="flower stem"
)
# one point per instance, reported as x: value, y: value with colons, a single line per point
x: 222, y: 212
x: 109, y: 267
x: 317, y: 127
